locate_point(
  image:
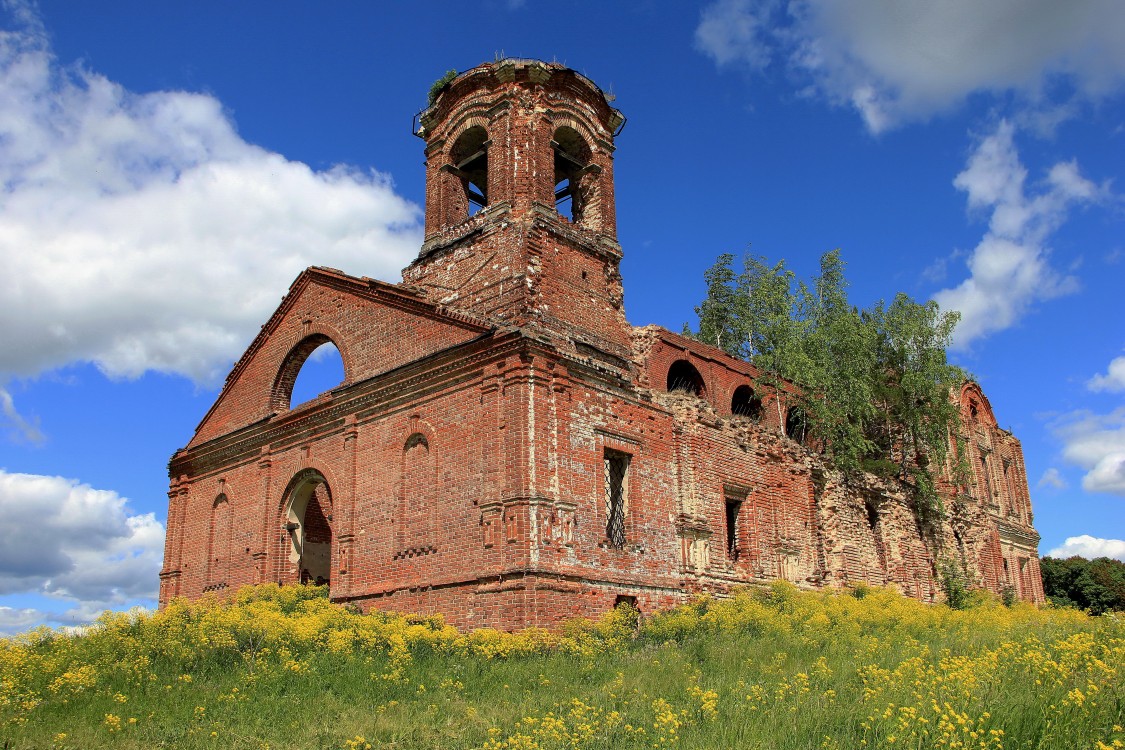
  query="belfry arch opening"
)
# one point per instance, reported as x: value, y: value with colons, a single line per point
x: 312, y: 368
x: 746, y: 403
x: 307, y: 557
x: 468, y: 162
x: 684, y: 378
x: 572, y: 168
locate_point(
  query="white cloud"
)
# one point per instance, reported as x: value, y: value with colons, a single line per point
x: 1090, y: 547
x: 1009, y: 269
x: 14, y: 620
x: 907, y: 60
x: 67, y: 540
x: 1097, y: 444
x: 1052, y: 478
x: 1113, y: 380
x: 140, y: 232
x: 737, y: 31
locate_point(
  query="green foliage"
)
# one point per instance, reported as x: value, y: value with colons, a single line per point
x: 954, y: 584
x: 1097, y: 585
x: 1008, y: 596
x: 439, y: 84
x: 875, y: 383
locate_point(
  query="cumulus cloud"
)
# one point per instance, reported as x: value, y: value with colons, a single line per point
x: 1052, y: 478
x: 1090, y: 547
x: 1095, y: 442
x: 907, y: 60
x: 64, y: 539
x: 140, y: 232
x: 1113, y: 380
x: 1009, y: 268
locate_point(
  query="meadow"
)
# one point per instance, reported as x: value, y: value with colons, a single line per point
x: 768, y: 668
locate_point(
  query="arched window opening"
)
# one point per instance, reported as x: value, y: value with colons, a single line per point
x: 572, y: 166
x: 218, y: 545
x: 796, y: 424
x: 469, y: 164
x: 309, y: 529
x: 683, y: 377
x: 746, y: 403
x: 321, y: 371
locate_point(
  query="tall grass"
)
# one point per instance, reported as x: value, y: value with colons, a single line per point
x: 772, y: 668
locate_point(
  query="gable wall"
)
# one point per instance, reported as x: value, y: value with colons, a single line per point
x: 373, y: 337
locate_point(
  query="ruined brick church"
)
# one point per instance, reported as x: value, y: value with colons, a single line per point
x: 507, y: 450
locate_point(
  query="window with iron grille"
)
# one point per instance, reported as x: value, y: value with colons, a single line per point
x: 616, y: 466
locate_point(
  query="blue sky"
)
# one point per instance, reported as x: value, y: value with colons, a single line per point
x: 168, y: 169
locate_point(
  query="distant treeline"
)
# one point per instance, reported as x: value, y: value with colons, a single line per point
x: 1097, y: 586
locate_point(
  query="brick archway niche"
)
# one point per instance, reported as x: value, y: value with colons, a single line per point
x: 306, y: 555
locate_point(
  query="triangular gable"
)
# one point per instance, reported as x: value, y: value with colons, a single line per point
x: 376, y: 326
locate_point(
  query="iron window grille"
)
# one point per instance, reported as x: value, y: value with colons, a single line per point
x: 616, y: 465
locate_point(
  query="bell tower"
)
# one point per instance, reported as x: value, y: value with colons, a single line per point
x: 520, y: 219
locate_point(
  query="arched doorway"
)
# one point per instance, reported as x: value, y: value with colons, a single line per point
x: 307, y: 557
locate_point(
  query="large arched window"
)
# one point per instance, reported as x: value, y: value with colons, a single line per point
x: 746, y: 403
x: 683, y: 377
x: 312, y: 367
x: 572, y: 169
x: 218, y: 543
x: 322, y: 371
x: 469, y: 163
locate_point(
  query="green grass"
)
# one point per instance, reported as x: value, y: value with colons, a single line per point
x: 768, y: 669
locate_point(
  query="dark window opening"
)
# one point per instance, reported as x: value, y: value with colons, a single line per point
x: 622, y: 600
x: 872, y: 514
x: 745, y: 403
x: 616, y: 466
x: 973, y: 411
x: 469, y: 163
x: 572, y: 165
x: 797, y: 424
x: 733, y: 508
x: 683, y: 377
